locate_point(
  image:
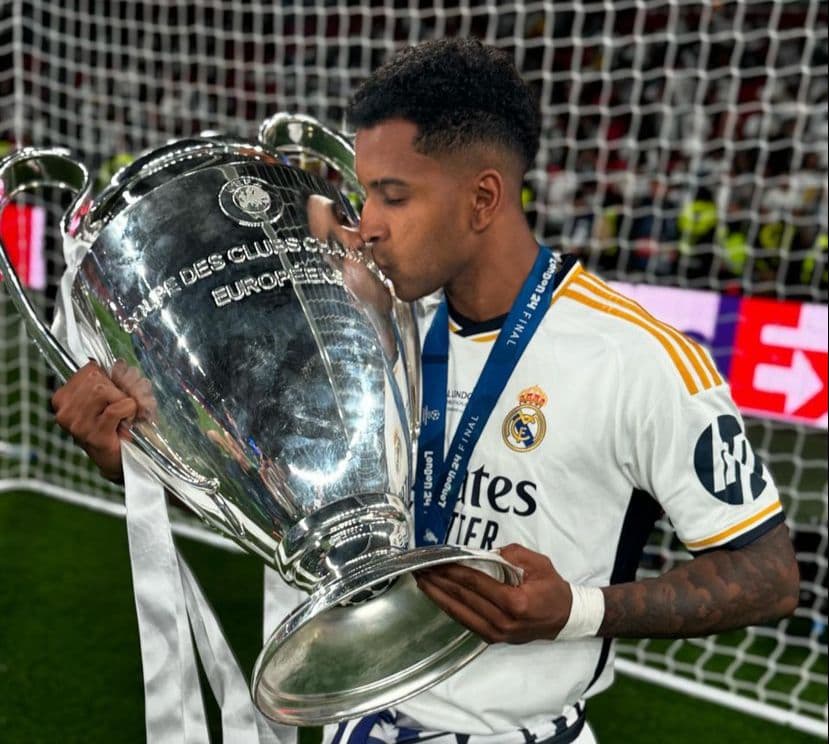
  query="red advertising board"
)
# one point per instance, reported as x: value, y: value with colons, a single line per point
x: 773, y: 353
x: 22, y: 232
x: 779, y: 363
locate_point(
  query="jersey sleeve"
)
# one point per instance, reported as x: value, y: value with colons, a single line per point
x: 691, y: 453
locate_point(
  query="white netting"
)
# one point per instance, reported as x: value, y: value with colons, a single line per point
x: 683, y: 144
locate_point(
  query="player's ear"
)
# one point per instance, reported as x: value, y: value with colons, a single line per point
x: 487, y: 196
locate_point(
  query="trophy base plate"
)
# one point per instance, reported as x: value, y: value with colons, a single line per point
x: 329, y: 661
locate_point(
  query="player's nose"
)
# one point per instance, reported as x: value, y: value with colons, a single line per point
x: 373, y: 228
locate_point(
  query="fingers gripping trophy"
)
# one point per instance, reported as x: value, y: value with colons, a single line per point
x: 278, y: 386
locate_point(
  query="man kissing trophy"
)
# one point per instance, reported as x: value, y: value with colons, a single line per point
x: 281, y: 385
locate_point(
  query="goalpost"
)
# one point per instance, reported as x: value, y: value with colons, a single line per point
x: 684, y: 154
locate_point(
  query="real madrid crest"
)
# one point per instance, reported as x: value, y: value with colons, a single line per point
x: 251, y: 202
x: 525, y: 425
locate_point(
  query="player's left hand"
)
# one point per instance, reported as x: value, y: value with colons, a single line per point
x: 499, y: 613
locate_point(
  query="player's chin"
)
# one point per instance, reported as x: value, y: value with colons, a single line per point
x: 408, y: 292
x: 408, y: 288
x: 402, y: 290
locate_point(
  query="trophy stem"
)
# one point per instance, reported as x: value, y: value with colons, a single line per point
x: 334, y: 539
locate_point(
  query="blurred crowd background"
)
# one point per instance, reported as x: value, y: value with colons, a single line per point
x: 683, y: 143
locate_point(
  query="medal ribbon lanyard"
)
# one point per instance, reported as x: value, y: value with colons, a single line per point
x: 439, y: 477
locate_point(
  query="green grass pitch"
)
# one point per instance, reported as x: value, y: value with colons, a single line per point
x: 69, y: 656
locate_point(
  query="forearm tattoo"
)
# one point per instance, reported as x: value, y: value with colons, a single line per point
x: 717, y: 591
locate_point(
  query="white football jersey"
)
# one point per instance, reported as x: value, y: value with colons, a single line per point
x: 609, y: 418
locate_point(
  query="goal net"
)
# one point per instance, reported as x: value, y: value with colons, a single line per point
x: 683, y: 155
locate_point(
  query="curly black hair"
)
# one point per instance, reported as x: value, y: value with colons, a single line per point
x: 457, y: 92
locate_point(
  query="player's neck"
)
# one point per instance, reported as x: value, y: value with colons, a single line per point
x: 487, y: 288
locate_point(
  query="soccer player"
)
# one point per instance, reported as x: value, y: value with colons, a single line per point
x: 563, y: 421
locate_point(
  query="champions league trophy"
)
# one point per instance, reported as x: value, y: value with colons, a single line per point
x: 285, y: 389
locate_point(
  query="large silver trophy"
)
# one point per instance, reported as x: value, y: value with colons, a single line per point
x: 284, y: 380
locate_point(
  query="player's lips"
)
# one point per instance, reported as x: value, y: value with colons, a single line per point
x: 384, y: 266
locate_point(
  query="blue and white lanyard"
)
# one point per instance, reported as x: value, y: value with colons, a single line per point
x: 439, y: 478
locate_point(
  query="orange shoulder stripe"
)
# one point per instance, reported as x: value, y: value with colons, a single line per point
x: 604, y: 307
x: 685, y: 348
x: 737, y: 528
x: 561, y: 288
x: 693, y: 353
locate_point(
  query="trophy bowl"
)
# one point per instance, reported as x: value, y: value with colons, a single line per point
x: 284, y: 378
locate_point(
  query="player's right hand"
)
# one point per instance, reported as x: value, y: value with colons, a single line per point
x: 91, y: 407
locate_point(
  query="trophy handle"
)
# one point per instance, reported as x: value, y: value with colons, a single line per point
x: 24, y: 170
x: 300, y: 134
x: 31, y: 168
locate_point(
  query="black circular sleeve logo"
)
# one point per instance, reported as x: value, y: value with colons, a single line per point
x: 726, y: 464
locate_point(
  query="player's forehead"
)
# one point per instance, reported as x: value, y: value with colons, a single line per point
x: 385, y: 154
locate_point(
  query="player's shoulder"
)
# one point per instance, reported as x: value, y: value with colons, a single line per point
x: 600, y: 315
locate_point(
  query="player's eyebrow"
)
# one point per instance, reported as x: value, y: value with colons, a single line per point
x: 382, y: 183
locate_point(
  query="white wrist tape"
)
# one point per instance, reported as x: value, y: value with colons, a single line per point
x: 586, y: 613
